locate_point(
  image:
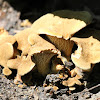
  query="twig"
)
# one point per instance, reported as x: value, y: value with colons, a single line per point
x: 94, y: 87
x: 86, y: 90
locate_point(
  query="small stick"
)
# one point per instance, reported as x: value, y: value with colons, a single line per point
x: 94, y: 87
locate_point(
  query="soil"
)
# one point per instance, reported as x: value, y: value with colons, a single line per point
x: 34, y: 90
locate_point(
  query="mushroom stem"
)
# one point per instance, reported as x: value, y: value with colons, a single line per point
x: 17, y: 79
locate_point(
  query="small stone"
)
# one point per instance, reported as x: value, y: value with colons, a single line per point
x: 62, y: 91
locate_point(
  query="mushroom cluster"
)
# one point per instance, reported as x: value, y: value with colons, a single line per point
x: 60, y: 26
x: 47, y: 46
x: 35, y: 51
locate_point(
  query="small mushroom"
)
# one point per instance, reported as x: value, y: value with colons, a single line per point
x: 59, y: 27
x: 72, y: 81
x: 23, y: 65
x: 88, y: 52
x: 42, y: 53
x: 55, y: 64
x: 6, y: 53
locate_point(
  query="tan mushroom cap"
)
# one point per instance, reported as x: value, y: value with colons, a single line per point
x: 63, y: 23
x: 23, y: 64
x: 6, y: 52
x: 40, y: 44
x: 88, y: 52
x: 59, y: 26
x: 7, y: 39
x: 22, y: 40
x: 42, y: 51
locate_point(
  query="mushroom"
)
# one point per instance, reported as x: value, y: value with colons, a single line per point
x: 42, y: 53
x: 39, y: 54
x: 23, y: 65
x: 72, y: 81
x: 22, y: 40
x: 6, y: 52
x: 61, y: 25
x: 7, y: 49
x: 7, y: 39
x: 88, y: 52
x: 85, y: 33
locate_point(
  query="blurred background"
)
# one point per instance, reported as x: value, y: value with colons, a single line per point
x: 13, y: 12
x: 32, y: 9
